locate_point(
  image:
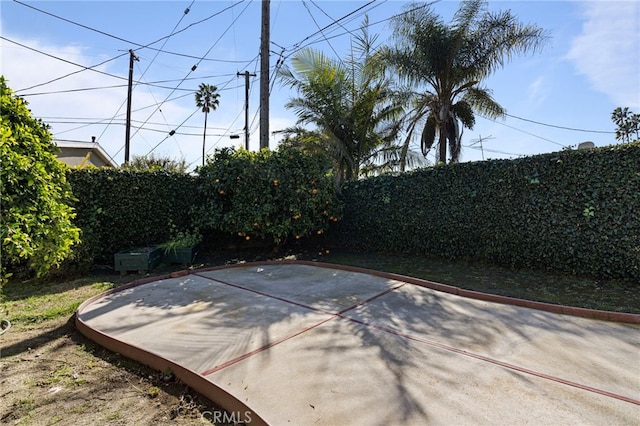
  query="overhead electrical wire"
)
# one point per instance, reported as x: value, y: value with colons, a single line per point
x: 561, y: 127
x: 299, y: 45
x: 194, y: 67
x: 200, y: 59
x: 321, y: 35
x: 116, y: 86
x: 522, y: 131
x: 63, y: 60
x: 140, y: 46
x: 318, y: 26
x: 330, y: 17
x: 67, y: 75
x: 186, y: 11
x: 136, y: 110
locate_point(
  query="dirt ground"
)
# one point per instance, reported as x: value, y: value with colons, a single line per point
x: 51, y: 374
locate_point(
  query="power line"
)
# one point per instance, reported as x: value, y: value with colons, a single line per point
x: 68, y: 75
x: 140, y: 46
x: 523, y: 131
x: 561, y: 127
x: 193, y: 68
x: 299, y: 45
x: 63, y: 60
x: 318, y: 26
x: 138, y: 82
x: 295, y: 47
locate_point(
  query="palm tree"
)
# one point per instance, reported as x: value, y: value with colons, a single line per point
x: 451, y: 61
x: 207, y: 98
x: 350, y: 102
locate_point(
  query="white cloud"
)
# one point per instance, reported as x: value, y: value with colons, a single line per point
x: 608, y: 48
x: 24, y: 68
x: 537, y: 92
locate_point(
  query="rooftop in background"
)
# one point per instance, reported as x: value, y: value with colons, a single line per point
x: 77, y: 153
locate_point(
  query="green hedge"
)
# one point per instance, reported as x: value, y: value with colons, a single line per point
x: 249, y: 198
x: 119, y: 209
x: 571, y: 211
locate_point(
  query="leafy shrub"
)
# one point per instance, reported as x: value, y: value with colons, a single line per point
x: 271, y: 196
x: 36, y: 226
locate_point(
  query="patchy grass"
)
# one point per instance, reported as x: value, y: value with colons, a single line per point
x: 28, y: 303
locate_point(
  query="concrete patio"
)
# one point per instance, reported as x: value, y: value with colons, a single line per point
x: 313, y: 344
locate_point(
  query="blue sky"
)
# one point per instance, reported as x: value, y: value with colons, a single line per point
x: 590, y: 66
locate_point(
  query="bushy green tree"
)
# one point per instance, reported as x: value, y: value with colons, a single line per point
x: 272, y: 196
x: 36, y: 228
x: 153, y: 163
x: 628, y: 124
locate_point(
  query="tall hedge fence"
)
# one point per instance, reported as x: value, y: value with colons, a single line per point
x: 571, y: 211
x: 119, y: 209
x: 243, y: 198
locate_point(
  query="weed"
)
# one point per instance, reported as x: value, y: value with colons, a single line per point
x: 153, y: 392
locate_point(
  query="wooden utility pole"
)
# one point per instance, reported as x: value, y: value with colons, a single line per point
x: 127, y: 132
x: 264, y: 74
x: 246, y: 107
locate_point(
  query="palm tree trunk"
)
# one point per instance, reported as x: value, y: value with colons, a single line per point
x: 442, y: 144
x: 443, y: 118
x: 204, y: 137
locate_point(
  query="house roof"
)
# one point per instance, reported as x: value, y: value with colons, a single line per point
x: 83, y: 147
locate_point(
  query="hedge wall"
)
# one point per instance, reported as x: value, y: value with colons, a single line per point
x: 571, y: 211
x: 265, y: 197
x: 119, y: 209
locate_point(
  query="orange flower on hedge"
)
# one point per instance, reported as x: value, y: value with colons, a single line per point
x: 275, y: 182
x: 314, y: 191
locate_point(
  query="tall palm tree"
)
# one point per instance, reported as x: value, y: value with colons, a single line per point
x: 350, y: 102
x: 443, y: 66
x: 207, y: 98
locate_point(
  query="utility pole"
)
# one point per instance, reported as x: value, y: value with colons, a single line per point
x: 127, y: 134
x: 246, y: 107
x: 264, y: 74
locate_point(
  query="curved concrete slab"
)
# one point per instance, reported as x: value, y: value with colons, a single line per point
x: 308, y: 343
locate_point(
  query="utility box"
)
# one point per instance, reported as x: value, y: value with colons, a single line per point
x: 140, y: 259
